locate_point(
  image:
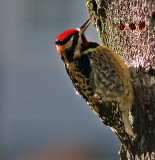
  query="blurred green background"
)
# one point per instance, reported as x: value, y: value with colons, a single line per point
x: 41, y: 117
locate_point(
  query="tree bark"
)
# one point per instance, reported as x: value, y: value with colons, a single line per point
x: 127, y: 27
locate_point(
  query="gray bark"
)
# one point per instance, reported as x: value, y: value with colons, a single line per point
x: 127, y: 27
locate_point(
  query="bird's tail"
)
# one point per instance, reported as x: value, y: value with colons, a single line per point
x: 127, y: 124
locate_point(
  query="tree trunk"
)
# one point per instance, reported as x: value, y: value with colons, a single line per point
x: 126, y: 26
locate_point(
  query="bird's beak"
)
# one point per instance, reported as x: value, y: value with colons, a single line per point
x: 85, y: 25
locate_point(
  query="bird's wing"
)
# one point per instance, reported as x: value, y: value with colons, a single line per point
x: 106, y: 78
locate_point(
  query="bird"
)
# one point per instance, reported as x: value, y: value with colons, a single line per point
x: 101, y: 78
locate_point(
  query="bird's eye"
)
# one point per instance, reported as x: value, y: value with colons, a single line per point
x: 76, y: 37
x: 57, y: 42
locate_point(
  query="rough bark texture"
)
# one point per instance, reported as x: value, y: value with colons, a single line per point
x: 127, y: 27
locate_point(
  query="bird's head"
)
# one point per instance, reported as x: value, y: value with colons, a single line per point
x: 72, y: 39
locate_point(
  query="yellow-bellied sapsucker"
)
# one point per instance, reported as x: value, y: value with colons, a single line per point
x: 101, y: 78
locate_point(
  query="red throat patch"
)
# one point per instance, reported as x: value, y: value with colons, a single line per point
x: 85, y: 42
